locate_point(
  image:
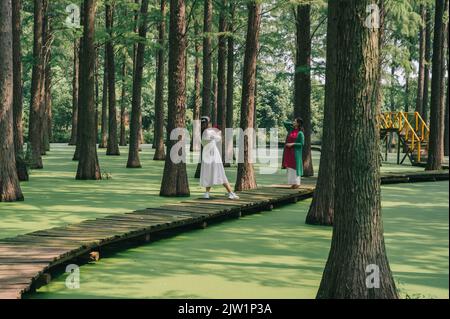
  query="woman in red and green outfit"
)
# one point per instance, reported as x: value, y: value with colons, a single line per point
x: 293, y: 152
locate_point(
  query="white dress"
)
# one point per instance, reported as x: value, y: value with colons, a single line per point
x: 212, y: 171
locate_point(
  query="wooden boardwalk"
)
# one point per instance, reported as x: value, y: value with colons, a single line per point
x: 27, y: 260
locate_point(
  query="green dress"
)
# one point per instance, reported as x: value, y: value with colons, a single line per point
x: 298, y: 147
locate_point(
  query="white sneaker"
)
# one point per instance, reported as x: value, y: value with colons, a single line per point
x: 206, y: 195
x: 233, y: 196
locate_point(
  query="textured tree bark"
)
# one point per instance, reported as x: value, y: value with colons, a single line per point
x: 303, y: 82
x: 112, y: 147
x: 88, y: 165
x: 9, y: 182
x: 160, y: 154
x: 207, y: 64
x: 357, y: 243
x: 421, y: 73
x: 214, y: 95
x: 221, y: 74
x: 104, y: 121
x: 135, y: 123
x: 230, y: 77
x: 75, y: 80
x: 436, y: 117
x: 207, y: 68
x: 47, y: 39
x: 47, y: 101
x: 443, y: 82
x: 197, y: 85
x: 123, y: 110
x: 76, y: 155
x: 175, y: 180
x: 35, y: 119
x: 447, y: 117
x: 426, y: 80
x: 22, y: 171
x: 245, y: 173
x: 321, y: 211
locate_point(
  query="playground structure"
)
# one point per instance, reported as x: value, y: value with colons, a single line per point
x: 411, y: 132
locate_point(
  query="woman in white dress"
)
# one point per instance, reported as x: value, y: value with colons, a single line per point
x: 212, y: 171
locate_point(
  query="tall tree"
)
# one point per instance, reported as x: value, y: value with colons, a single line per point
x: 357, y: 243
x: 303, y: 81
x: 35, y: 118
x: 88, y: 165
x: 104, y: 119
x: 46, y: 100
x: 135, y: 123
x: 159, y: 90
x: 221, y: 73
x: 436, y: 115
x: 230, y: 76
x: 444, y: 67
x: 75, y: 80
x: 207, y: 69
x: 321, y: 211
x: 76, y: 155
x: 197, y: 84
x: 123, y: 110
x: 421, y: 73
x: 175, y: 180
x: 207, y: 59
x: 112, y: 147
x: 9, y: 182
x: 426, y: 80
x: 245, y: 173
x: 22, y: 171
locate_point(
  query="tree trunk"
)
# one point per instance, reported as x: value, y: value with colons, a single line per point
x: 47, y: 38
x: 97, y: 94
x: 159, y: 90
x: 321, y: 211
x: 436, y: 117
x: 230, y: 78
x: 76, y: 155
x: 214, y: 97
x: 112, y: 147
x: 426, y: 80
x: 135, y: 123
x: 75, y: 80
x: 123, y: 111
x: 447, y: 118
x: 197, y: 85
x: 22, y: 171
x: 9, y: 182
x: 104, y: 121
x: 175, y: 180
x: 221, y: 75
x: 357, y: 244
x: 35, y: 120
x: 47, y: 100
x: 207, y: 64
x: 245, y: 173
x: 443, y: 82
x: 303, y: 82
x: 421, y: 73
x: 88, y: 165
x: 406, y: 96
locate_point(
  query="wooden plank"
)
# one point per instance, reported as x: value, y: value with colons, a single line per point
x: 25, y: 257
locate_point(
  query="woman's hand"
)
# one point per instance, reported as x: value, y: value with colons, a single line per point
x: 289, y: 145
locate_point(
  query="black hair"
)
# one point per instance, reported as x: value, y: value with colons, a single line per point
x: 299, y: 121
